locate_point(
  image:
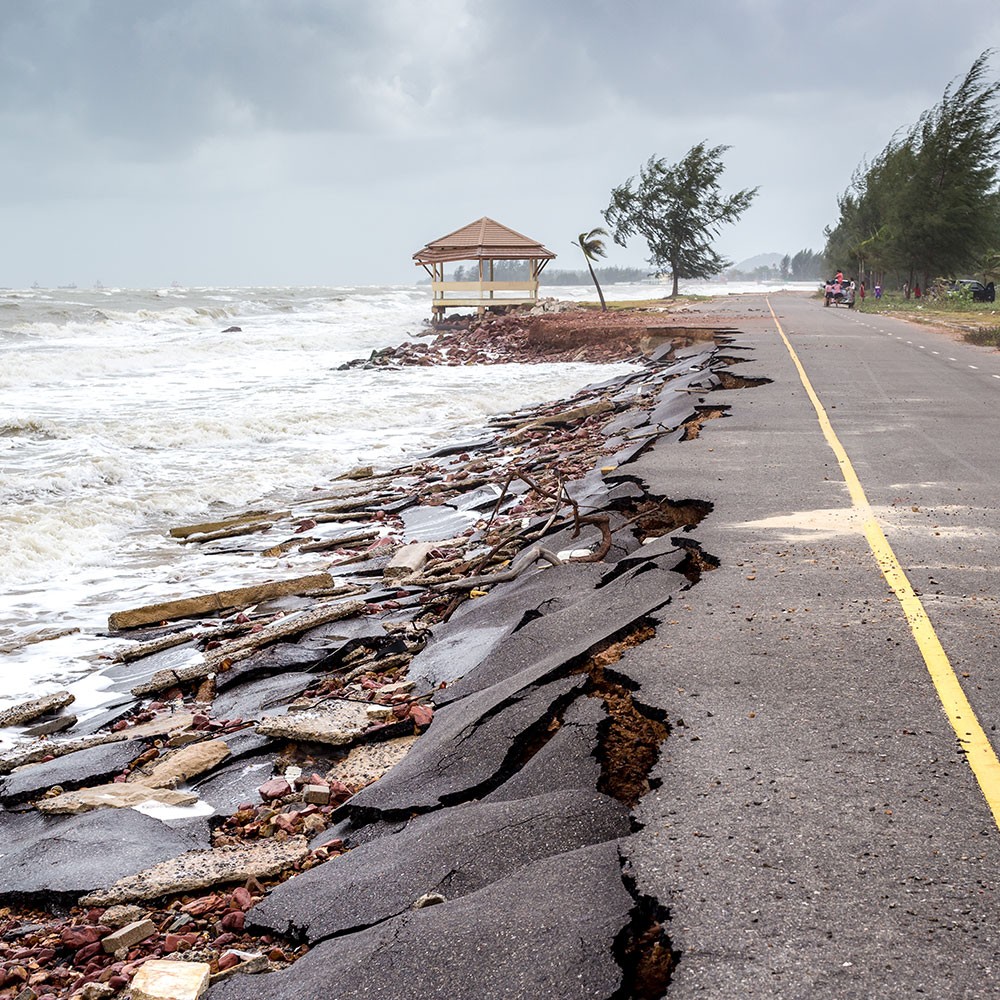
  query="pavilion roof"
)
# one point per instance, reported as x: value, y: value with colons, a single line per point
x: 484, y: 239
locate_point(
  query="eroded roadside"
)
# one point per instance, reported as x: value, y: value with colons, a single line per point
x: 419, y: 762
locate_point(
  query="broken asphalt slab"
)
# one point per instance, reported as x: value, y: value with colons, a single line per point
x: 574, y: 627
x: 74, y: 855
x: 548, y: 929
x: 470, y: 748
x: 93, y: 765
x: 453, y: 853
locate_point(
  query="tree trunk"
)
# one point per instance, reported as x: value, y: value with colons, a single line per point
x: 597, y: 284
x: 673, y: 294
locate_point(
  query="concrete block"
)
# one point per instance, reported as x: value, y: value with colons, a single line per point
x: 161, y: 979
x: 128, y: 935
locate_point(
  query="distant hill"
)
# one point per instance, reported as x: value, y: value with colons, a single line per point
x: 761, y: 260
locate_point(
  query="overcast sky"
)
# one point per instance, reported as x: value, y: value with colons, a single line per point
x: 257, y: 142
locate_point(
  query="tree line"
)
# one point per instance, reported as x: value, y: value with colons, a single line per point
x: 927, y: 206
x: 519, y: 270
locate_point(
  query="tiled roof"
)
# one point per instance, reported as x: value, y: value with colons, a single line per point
x: 483, y: 239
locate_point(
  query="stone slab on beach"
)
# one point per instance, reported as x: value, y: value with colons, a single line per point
x: 69, y: 856
x: 453, y: 853
x: 546, y: 930
x: 221, y: 601
x: 179, y: 766
x: 201, y: 869
x: 163, y: 979
x: 95, y: 764
x: 28, y: 711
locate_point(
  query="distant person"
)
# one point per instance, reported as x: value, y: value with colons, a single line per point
x: 906, y: 289
x: 916, y: 290
x: 861, y: 291
x: 840, y: 278
x: 878, y: 291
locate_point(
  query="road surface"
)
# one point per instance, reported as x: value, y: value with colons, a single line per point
x: 817, y: 830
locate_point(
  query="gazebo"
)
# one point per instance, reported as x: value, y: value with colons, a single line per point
x: 485, y: 241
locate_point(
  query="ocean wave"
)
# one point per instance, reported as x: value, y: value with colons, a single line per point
x: 28, y: 428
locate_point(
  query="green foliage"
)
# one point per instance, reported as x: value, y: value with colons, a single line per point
x: 807, y: 265
x: 593, y: 247
x: 928, y: 203
x: 607, y: 276
x: 678, y: 210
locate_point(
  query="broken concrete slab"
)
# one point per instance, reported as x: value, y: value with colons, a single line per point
x: 334, y: 723
x: 57, y: 724
x: 368, y: 762
x: 436, y: 524
x: 70, y: 771
x: 179, y: 766
x: 547, y: 930
x: 117, y: 795
x: 276, y: 659
x: 201, y: 869
x: 35, y: 708
x: 453, y: 852
x: 221, y: 601
x: 472, y: 745
x: 129, y: 935
x: 163, y: 979
x: 68, y: 856
x: 408, y: 559
x: 166, y: 723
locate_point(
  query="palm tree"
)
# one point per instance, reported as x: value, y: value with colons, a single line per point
x: 593, y: 247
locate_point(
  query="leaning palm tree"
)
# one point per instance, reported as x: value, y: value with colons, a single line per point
x: 593, y: 247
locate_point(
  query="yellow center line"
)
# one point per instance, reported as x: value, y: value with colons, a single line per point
x: 978, y: 750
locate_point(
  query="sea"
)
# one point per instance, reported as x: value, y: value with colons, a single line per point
x: 126, y: 412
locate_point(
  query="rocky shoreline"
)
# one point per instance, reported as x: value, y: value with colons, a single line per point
x: 409, y: 771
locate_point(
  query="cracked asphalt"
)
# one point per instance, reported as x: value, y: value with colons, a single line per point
x: 815, y: 830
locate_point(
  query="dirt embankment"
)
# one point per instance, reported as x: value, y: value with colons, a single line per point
x: 524, y: 337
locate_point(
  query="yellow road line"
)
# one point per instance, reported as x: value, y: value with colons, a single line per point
x: 978, y: 750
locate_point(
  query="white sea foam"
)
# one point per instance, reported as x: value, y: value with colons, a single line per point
x: 123, y: 413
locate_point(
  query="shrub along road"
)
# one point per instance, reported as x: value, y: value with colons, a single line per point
x: 816, y: 829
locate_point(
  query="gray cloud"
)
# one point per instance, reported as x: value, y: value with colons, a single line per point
x: 285, y: 130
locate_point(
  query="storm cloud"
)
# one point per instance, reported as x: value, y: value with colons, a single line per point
x: 306, y: 142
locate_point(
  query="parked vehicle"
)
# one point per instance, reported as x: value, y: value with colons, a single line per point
x: 839, y: 293
x: 980, y: 292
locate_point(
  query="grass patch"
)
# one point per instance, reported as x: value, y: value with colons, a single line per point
x: 987, y: 336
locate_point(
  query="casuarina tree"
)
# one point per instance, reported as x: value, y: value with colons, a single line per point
x: 593, y: 247
x: 678, y: 210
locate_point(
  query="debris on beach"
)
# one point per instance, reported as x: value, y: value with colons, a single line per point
x: 445, y: 679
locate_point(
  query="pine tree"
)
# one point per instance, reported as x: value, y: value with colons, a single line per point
x: 678, y: 210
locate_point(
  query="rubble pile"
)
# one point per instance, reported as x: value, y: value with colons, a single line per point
x: 420, y: 744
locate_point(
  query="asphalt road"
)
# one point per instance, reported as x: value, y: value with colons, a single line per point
x: 817, y: 830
